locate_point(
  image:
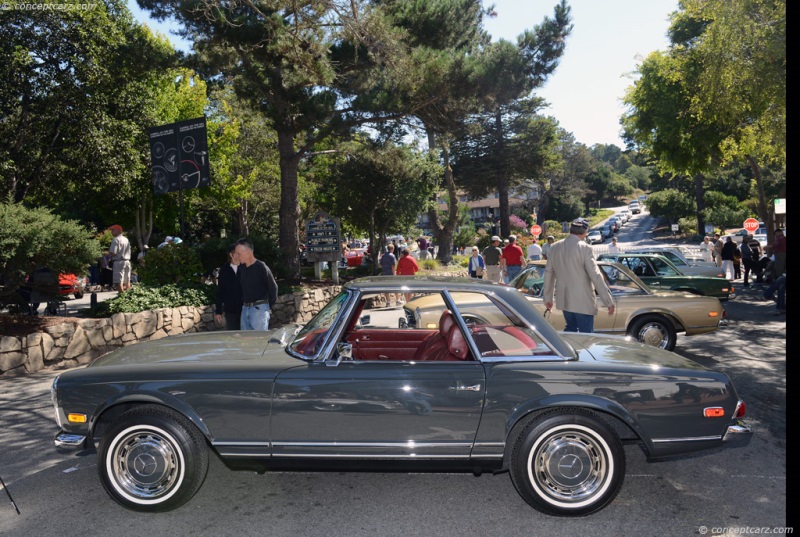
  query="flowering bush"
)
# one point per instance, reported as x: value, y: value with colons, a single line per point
x: 517, y: 223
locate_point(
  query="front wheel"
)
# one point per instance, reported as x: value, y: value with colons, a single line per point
x: 654, y: 330
x: 568, y: 464
x: 152, y: 459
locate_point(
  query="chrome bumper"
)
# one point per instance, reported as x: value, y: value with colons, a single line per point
x: 69, y: 441
x: 737, y: 435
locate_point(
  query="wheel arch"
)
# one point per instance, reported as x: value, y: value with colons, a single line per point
x: 106, y: 416
x: 612, y: 414
x: 676, y: 322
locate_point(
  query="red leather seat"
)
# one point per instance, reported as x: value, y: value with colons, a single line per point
x: 434, y: 345
x: 457, y: 347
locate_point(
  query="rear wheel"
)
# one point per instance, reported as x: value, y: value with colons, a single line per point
x: 152, y: 459
x: 654, y: 330
x: 568, y: 464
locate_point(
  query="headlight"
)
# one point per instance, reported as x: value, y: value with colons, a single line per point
x: 54, y: 399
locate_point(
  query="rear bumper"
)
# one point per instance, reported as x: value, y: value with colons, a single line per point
x: 737, y: 435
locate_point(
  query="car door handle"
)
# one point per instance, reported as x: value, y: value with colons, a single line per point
x: 461, y: 387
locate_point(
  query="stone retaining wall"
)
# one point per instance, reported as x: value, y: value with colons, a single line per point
x: 75, y: 343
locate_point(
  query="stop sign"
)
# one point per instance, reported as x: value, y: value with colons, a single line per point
x: 751, y: 225
x: 536, y: 230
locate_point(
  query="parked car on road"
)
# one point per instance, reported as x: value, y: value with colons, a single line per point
x: 352, y: 388
x: 659, y: 273
x: 677, y: 257
x: 634, y: 207
x: 649, y: 316
x: 595, y: 237
x: 607, y: 231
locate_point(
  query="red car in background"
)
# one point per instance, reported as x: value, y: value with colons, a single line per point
x: 72, y: 284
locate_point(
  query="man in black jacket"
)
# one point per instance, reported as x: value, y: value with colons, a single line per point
x: 229, y: 292
x: 259, y: 289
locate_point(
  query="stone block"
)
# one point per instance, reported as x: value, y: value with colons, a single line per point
x: 129, y: 337
x: 145, y: 326
x: 10, y: 360
x: 118, y: 322
x: 186, y: 324
x: 55, y: 354
x: 78, y: 345
x: 108, y: 333
x: 159, y: 334
x: 95, y: 336
x: 10, y: 343
x: 47, y: 344
x: 35, y: 361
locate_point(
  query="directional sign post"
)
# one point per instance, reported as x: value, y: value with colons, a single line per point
x: 324, y: 243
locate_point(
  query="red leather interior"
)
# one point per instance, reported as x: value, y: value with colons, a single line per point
x: 457, y: 345
x: 445, y: 344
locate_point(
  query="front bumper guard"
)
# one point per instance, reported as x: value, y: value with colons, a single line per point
x: 69, y: 441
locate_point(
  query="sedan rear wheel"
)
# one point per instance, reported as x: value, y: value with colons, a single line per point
x: 654, y: 330
x: 152, y: 459
x: 568, y: 464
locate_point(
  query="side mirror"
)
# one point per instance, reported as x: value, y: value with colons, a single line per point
x: 344, y: 351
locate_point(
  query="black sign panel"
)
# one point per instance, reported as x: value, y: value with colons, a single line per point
x: 323, y: 240
x: 179, y: 156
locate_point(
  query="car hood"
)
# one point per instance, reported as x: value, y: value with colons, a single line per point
x: 625, y: 352
x: 206, y: 347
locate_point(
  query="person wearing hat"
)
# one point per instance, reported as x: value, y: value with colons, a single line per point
x: 120, y: 251
x: 514, y: 258
x: 493, y: 259
x: 229, y: 292
x: 546, y: 246
x: 571, y: 279
x: 167, y: 240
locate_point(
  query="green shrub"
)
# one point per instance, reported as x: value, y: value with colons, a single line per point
x: 460, y: 261
x: 145, y: 297
x: 36, y: 238
x: 429, y: 264
x: 174, y: 263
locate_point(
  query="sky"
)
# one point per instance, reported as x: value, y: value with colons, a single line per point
x: 609, y: 39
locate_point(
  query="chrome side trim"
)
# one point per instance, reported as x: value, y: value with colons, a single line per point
x: 404, y: 445
x: 255, y: 444
x: 67, y: 440
x: 365, y: 456
x: 687, y: 439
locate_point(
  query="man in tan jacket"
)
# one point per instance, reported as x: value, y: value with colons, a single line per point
x: 572, y: 275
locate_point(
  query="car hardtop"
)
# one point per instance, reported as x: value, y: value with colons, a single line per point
x: 660, y: 257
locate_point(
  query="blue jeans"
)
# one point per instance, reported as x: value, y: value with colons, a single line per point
x: 255, y: 317
x: 778, y: 285
x: 513, y: 270
x: 579, y: 322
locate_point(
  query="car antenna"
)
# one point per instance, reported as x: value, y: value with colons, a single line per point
x: 9, y: 495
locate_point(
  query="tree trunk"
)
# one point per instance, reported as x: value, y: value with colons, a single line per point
x: 443, y: 233
x: 764, y: 211
x: 502, y: 179
x: 289, y: 212
x: 699, y: 196
x: 144, y: 220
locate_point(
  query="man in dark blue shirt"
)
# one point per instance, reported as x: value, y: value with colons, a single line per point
x: 259, y: 289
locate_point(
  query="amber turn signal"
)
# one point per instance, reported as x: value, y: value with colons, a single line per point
x: 714, y: 412
x: 713, y: 314
x: 76, y: 418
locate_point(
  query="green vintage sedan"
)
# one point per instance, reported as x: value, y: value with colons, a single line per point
x: 659, y: 273
x: 357, y: 388
x: 650, y: 316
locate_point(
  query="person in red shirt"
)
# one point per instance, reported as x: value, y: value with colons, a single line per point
x: 406, y: 266
x: 514, y: 258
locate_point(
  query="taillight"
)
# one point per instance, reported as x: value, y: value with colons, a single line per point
x: 740, y: 409
x: 714, y: 412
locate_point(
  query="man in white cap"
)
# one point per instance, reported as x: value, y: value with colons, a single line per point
x: 493, y: 258
x: 167, y: 240
x: 572, y: 277
x: 546, y: 246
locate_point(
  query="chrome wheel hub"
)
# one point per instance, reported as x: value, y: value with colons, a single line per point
x: 570, y: 466
x: 654, y: 334
x: 145, y: 464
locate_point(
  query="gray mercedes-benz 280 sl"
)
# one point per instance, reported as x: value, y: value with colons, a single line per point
x: 360, y: 386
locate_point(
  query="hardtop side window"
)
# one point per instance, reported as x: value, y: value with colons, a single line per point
x: 313, y: 335
x: 662, y: 268
x: 495, y: 329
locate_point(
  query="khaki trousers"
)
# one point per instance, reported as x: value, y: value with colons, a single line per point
x: 493, y: 273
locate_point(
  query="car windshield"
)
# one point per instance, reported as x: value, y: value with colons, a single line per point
x: 530, y: 281
x: 663, y: 268
x: 620, y: 282
x: 311, y: 338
